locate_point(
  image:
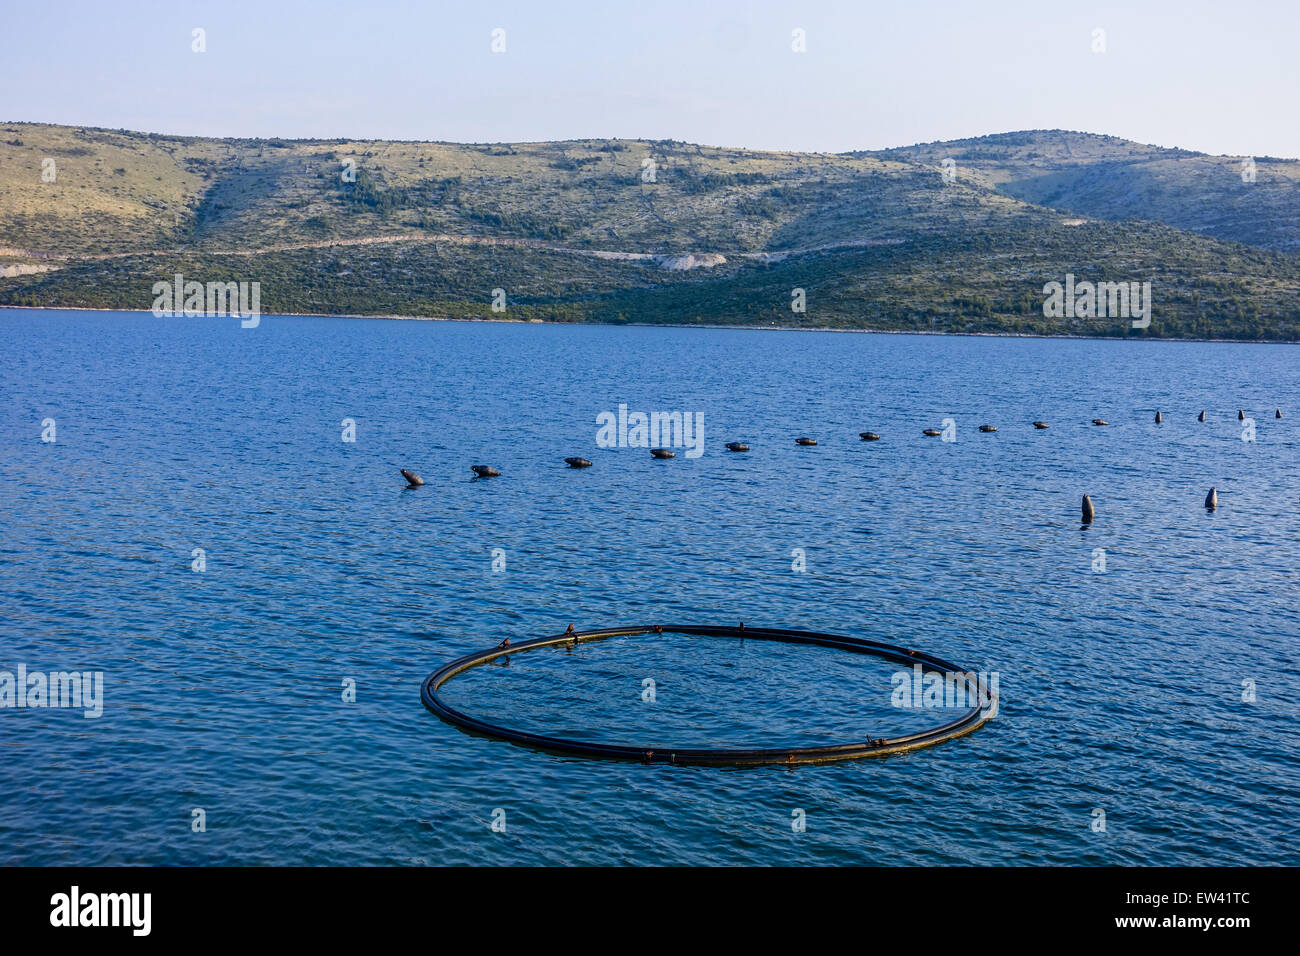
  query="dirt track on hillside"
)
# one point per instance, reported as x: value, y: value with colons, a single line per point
x: 773, y: 256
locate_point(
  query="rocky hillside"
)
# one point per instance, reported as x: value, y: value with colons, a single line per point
x: 1250, y: 199
x: 654, y: 231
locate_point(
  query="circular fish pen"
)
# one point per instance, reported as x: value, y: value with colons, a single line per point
x: 658, y: 752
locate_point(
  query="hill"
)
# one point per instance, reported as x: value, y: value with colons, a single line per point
x: 654, y: 231
x: 1110, y: 178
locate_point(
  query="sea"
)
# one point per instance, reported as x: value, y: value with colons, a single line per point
x: 207, y: 522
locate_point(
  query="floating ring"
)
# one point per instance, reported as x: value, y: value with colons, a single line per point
x: 717, y: 757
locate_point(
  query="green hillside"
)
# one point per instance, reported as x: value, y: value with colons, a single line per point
x: 600, y: 230
x: 1110, y: 178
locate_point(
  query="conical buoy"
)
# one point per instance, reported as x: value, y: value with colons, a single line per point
x: 484, y: 471
x: 1159, y: 418
x: 1212, y: 499
x: 412, y: 479
x: 1201, y: 417
x: 577, y: 463
x: 1278, y: 413
x: 1088, y: 510
x: 1241, y: 416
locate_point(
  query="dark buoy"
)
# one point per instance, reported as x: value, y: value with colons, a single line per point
x: 1041, y: 425
x: 1278, y: 413
x: 663, y: 453
x: 1100, y: 421
x: 577, y: 463
x: 1159, y: 417
x: 805, y: 441
x: 932, y: 433
x: 1201, y: 417
x: 1212, y: 499
x: 737, y: 446
x: 484, y: 471
x: 1241, y: 416
x: 988, y: 428
x: 869, y: 436
x: 412, y: 479
x: 1088, y: 510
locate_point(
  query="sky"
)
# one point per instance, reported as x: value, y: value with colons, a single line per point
x: 1221, y: 77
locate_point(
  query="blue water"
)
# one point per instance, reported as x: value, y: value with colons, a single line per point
x: 1121, y: 690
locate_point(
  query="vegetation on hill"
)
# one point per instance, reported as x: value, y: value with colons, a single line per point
x: 1251, y: 199
x: 579, y: 231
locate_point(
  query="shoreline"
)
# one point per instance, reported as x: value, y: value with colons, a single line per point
x: 682, y: 325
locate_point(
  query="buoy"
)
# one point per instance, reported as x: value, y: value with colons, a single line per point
x: 987, y: 428
x: 577, y: 463
x: 1241, y: 416
x: 1159, y: 417
x: 932, y: 432
x: 663, y: 453
x: 805, y: 441
x: 1278, y: 413
x: 869, y: 436
x: 1212, y: 499
x: 1201, y: 417
x: 484, y: 471
x: 412, y: 479
x: 737, y: 446
x: 1100, y: 421
x: 1041, y: 425
x: 1088, y: 510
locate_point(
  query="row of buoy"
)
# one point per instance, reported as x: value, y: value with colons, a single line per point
x: 1241, y: 415
x: 487, y: 471
x: 480, y: 471
x: 1090, y: 512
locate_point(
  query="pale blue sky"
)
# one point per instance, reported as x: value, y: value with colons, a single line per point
x: 1217, y: 76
